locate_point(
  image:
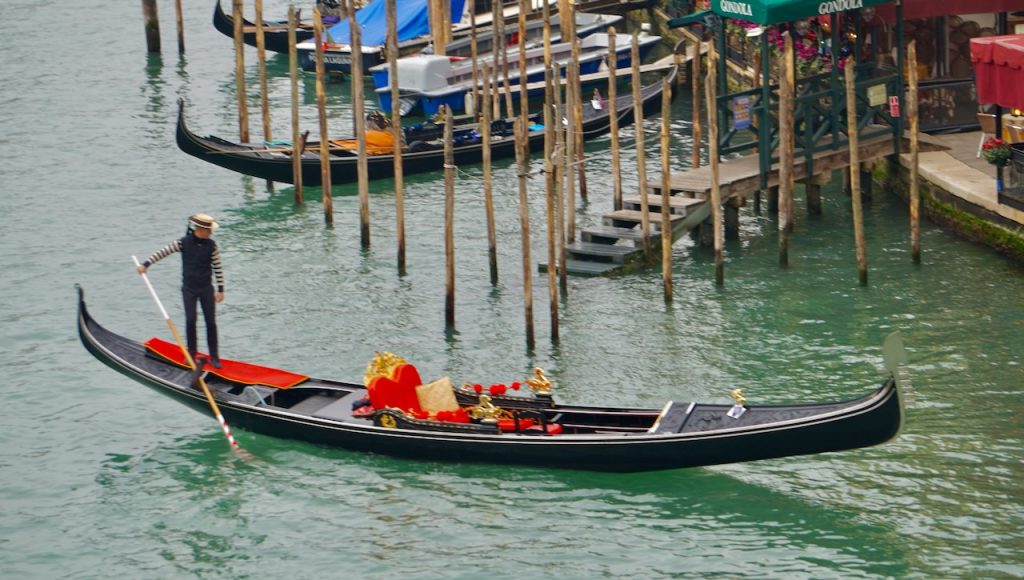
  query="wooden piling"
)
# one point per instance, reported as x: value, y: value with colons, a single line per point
x: 523, y: 164
x: 571, y: 93
x: 641, y: 155
x: 716, y: 194
x: 695, y: 76
x: 613, y: 123
x: 151, y: 24
x: 852, y: 132
x: 549, y: 191
x: 449, y: 222
x: 915, y: 194
x: 437, y: 25
x: 812, y: 192
x: 561, y: 172
x: 785, y: 150
x: 472, y: 108
x: 500, y: 15
x: 666, y: 170
x: 321, y: 105
x: 179, y: 18
x: 358, y: 108
x: 396, y: 131
x: 243, y: 109
x: 790, y: 141
x: 261, y: 61
x: 485, y: 143
x: 581, y: 170
x: 524, y: 108
x: 293, y: 72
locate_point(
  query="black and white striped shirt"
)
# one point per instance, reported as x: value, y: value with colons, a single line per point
x: 198, y: 262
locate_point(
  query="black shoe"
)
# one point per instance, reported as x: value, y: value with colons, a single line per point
x: 215, y: 362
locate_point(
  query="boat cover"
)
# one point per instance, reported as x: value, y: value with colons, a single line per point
x: 240, y: 372
x: 413, y: 22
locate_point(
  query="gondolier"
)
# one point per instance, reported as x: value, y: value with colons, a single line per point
x: 200, y: 265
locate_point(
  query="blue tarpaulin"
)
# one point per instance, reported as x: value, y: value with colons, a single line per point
x: 413, y: 22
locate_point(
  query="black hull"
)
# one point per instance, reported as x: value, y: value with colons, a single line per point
x: 273, y: 40
x: 761, y: 433
x: 271, y: 164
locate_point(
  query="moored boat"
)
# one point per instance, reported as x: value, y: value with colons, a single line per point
x: 275, y: 33
x: 395, y: 413
x: 423, y: 150
x: 428, y: 82
x: 412, y: 29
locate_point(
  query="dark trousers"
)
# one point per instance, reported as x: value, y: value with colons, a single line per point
x: 203, y: 296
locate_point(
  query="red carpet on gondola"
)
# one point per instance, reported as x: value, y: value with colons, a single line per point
x: 231, y: 370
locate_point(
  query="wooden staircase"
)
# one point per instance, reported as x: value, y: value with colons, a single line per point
x: 617, y: 244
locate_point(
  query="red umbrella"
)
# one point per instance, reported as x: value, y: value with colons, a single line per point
x: 999, y: 69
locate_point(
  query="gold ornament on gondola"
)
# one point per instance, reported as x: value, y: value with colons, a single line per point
x: 388, y: 422
x: 382, y: 365
x: 539, y: 384
x: 737, y: 395
x: 486, y: 412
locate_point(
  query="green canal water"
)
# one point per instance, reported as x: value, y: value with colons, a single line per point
x: 102, y: 478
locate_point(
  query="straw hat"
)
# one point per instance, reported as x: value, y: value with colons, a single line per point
x: 202, y: 220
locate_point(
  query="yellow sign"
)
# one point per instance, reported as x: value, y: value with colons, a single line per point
x: 876, y: 95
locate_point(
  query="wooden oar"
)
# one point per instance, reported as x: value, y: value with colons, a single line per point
x: 191, y: 363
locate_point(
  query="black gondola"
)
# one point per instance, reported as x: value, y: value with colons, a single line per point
x: 591, y: 438
x: 424, y: 150
x: 275, y: 34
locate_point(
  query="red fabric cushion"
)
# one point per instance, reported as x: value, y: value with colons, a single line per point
x: 397, y: 391
x: 231, y: 370
x: 510, y: 424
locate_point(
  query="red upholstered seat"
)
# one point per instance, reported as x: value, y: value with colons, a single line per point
x: 397, y: 391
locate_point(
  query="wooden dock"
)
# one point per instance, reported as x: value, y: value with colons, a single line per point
x: 617, y: 245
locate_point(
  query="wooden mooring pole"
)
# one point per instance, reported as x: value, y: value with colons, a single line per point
x: 485, y: 140
x: 561, y: 176
x: 396, y: 132
x: 358, y: 107
x: 321, y: 105
x: 666, y: 170
x: 550, y: 138
x: 293, y: 72
x: 711, y: 83
x: 180, y: 20
x: 785, y: 150
x: 697, y: 97
x: 852, y: 132
x: 151, y: 24
x: 524, y: 100
x: 261, y: 61
x: 261, y: 65
x: 473, y: 107
x: 915, y: 195
x: 243, y: 108
x: 577, y: 115
x: 641, y: 154
x: 523, y: 164
x: 449, y: 223
x: 613, y: 122
x: 571, y: 90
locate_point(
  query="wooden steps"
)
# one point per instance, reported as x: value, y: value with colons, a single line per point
x: 584, y: 267
x: 617, y: 244
x: 612, y: 234
x: 677, y: 203
x: 632, y: 218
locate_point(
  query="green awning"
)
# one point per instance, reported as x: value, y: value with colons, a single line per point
x: 775, y: 11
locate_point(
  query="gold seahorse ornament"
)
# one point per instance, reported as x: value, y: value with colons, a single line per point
x: 539, y: 384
